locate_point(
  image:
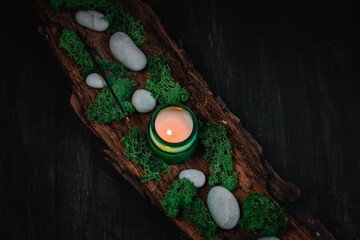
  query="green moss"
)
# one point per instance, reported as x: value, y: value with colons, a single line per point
x: 179, y: 195
x: 105, y: 108
x: 76, y: 5
x: 115, y: 68
x: 160, y: 83
x: 200, y: 216
x: 218, y: 155
x: 261, y: 215
x: 57, y: 4
x: 122, y: 21
x: 115, y: 14
x: 182, y: 195
x: 76, y: 49
x: 138, y: 151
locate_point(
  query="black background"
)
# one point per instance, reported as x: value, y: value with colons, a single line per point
x: 288, y: 69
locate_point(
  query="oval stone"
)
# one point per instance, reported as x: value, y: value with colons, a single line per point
x: 91, y: 19
x: 142, y: 101
x: 95, y: 80
x: 195, y: 176
x: 224, y: 208
x: 125, y: 50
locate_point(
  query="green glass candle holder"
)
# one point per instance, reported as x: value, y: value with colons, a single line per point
x: 175, y: 151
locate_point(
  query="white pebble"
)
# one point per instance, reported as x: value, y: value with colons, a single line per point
x: 125, y: 50
x: 95, y: 80
x: 91, y: 19
x: 223, y: 207
x: 142, y: 101
x: 195, y: 176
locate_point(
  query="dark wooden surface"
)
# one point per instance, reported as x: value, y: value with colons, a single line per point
x: 288, y: 70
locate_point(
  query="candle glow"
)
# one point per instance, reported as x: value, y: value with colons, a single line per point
x: 172, y: 132
x: 174, y: 124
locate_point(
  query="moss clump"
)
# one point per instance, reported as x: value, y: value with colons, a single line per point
x: 57, y: 4
x: 115, y: 14
x: 218, y: 155
x: 116, y: 68
x: 138, y: 151
x: 76, y: 49
x: 105, y: 109
x: 122, y: 21
x: 160, y: 83
x: 179, y: 195
x: 182, y: 195
x: 76, y: 5
x: 261, y: 215
x: 199, y: 214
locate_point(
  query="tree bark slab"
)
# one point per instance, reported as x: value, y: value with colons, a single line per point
x: 253, y: 172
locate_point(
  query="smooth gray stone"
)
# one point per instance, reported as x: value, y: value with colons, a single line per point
x: 92, y: 20
x: 95, y: 80
x: 195, y: 176
x: 268, y: 238
x: 143, y: 101
x: 125, y: 50
x: 224, y: 207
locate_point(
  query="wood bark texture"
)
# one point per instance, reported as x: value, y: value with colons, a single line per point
x: 253, y: 172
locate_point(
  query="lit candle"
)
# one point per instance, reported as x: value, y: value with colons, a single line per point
x: 172, y: 133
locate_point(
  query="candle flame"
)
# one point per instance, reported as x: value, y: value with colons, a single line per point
x: 169, y: 132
